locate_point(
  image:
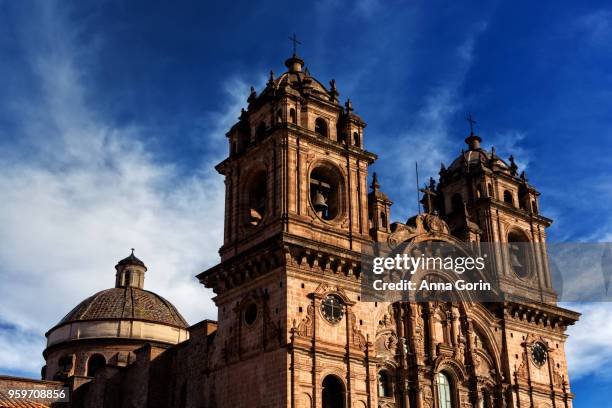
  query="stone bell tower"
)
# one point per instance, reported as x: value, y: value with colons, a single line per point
x: 296, y: 165
x: 483, y: 198
x: 296, y: 219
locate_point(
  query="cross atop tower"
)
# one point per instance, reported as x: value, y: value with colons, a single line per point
x: 295, y: 42
x: 472, y: 122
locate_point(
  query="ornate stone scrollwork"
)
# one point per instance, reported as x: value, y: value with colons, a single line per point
x: 305, y: 328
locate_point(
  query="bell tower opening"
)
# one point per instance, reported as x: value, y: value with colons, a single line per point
x: 517, y: 248
x: 321, y: 127
x: 325, y: 191
x: 257, y: 196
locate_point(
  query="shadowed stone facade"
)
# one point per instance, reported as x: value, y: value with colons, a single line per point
x: 292, y: 329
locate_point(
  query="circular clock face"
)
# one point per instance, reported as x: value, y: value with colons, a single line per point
x: 332, y: 309
x: 538, y: 353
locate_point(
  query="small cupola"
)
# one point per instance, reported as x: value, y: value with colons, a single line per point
x: 130, y: 272
x: 294, y: 64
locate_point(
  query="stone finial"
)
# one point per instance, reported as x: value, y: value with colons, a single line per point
x: 333, y: 91
x: 375, y: 186
x: 271, y: 79
x: 513, y: 166
x: 252, y: 95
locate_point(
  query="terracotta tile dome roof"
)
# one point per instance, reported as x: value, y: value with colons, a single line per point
x: 126, y: 303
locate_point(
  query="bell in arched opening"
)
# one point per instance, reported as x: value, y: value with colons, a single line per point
x: 320, y: 204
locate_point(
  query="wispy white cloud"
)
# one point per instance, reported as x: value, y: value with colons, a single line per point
x: 430, y: 140
x: 510, y: 142
x: 87, y: 193
x: 595, y: 26
x: 19, y: 350
x: 589, y: 350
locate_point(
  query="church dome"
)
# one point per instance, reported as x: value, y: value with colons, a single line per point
x: 126, y: 303
x: 125, y: 312
x: 298, y: 80
x: 476, y: 157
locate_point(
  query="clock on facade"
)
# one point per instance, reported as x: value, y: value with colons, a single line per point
x: 332, y: 309
x: 538, y: 353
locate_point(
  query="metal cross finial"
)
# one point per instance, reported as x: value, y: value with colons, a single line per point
x: 132, y: 251
x: 295, y: 42
x: 472, y: 122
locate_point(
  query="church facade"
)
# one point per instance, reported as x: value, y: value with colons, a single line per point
x: 292, y: 328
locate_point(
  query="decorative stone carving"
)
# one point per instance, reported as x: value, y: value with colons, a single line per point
x: 305, y: 328
x: 427, y: 397
x: 358, y: 339
x: 386, y: 343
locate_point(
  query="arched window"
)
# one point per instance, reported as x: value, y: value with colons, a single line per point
x: 356, y: 139
x: 342, y: 137
x: 333, y: 392
x: 65, y: 364
x: 321, y: 127
x: 457, y: 203
x: 96, y: 363
x: 250, y: 314
x: 518, y: 253
x: 383, y: 220
x: 292, y: 116
x: 445, y: 397
x: 326, y: 191
x: 279, y: 116
x: 384, y: 384
x: 490, y: 188
x: 127, y: 278
x: 257, y: 198
x: 508, y: 197
x: 534, y: 207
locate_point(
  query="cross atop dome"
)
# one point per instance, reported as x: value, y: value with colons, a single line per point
x: 473, y: 141
x: 295, y: 63
x: 295, y: 42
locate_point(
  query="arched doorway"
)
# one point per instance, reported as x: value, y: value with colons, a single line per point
x: 333, y: 392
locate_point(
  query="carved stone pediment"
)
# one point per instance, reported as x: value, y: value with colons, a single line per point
x: 420, y: 224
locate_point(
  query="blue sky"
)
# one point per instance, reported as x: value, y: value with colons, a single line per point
x: 113, y: 114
